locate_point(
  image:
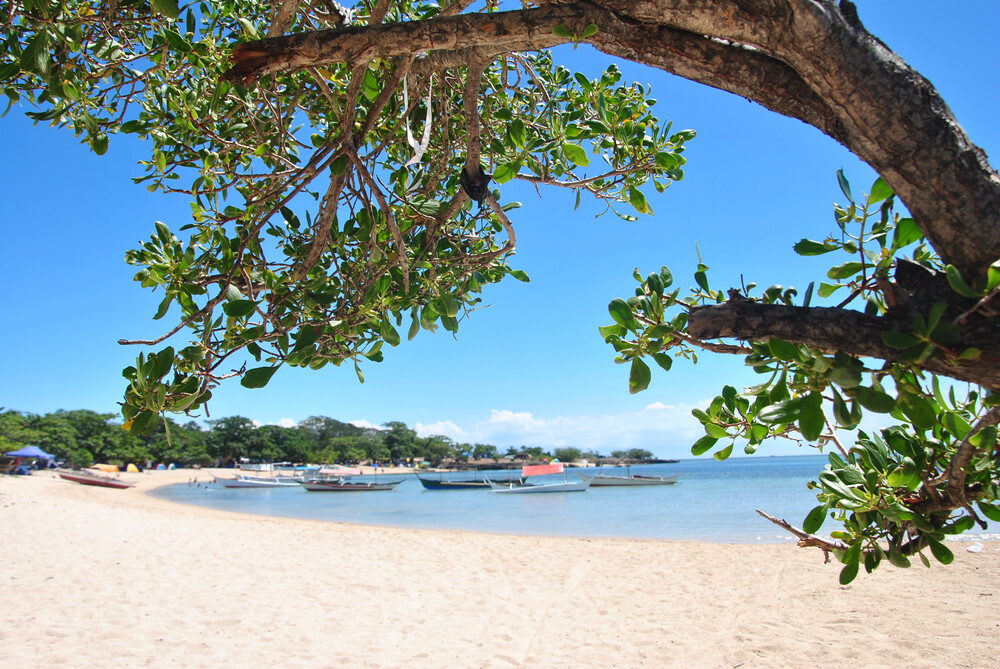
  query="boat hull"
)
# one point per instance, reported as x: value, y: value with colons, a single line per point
x: 259, y: 482
x: 94, y: 480
x: 532, y: 488
x: 349, y: 486
x: 628, y: 481
x: 446, y: 484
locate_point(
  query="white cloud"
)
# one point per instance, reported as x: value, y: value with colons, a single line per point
x: 284, y: 422
x: 444, y: 428
x: 365, y: 425
x: 665, y: 430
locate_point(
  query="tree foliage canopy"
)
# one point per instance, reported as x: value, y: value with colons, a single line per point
x: 344, y: 165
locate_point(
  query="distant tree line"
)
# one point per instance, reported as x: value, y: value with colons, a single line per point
x: 83, y: 437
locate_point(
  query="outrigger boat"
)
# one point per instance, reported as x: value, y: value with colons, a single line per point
x: 90, y: 478
x: 538, y: 470
x: 344, y: 485
x: 276, y: 480
x: 441, y: 483
x: 630, y: 479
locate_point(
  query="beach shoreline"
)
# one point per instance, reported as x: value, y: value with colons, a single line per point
x: 108, y: 577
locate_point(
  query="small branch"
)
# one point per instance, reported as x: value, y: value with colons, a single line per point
x: 502, y: 215
x: 954, y: 475
x: 283, y: 17
x: 806, y: 539
x: 833, y: 436
x: 390, y: 220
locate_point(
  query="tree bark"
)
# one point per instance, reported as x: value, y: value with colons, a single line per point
x: 830, y: 330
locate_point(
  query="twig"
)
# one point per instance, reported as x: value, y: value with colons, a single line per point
x: 806, y: 539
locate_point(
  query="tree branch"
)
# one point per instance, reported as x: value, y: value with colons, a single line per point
x: 831, y: 330
x: 806, y: 539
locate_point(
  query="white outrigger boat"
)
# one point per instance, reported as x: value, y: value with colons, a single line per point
x: 275, y: 480
x: 537, y: 470
x: 629, y: 479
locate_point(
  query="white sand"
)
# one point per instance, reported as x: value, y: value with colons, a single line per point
x: 100, y: 577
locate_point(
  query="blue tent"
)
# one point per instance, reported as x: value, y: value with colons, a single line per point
x: 30, y: 452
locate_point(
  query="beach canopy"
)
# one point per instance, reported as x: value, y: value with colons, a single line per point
x: 30, y: 452
x: 538, y: 470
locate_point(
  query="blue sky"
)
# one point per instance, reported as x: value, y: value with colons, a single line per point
x: 531, y: 369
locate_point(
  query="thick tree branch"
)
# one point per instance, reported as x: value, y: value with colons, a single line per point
x: 501, y: 32
x: 830, y: 330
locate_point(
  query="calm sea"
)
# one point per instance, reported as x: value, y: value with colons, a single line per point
x: 713, y: 501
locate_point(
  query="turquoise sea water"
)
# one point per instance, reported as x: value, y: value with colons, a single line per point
x: 714, y: 501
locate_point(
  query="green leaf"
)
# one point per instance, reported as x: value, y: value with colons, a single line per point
x: 447, y: 306
x: 506, y: 172
x: 781, y: 412
x: 990, y: 511
x: 177, y: 42
x: 703, y: 445
x: 849, y: 572
x: 880, y: 191
x: 663, y: 360
x: 846, y: 371
x: 239, y: 308
x: 576, y: 154
x: 667, y: 277
x: 811, y: 417
x: 667, y: 161
x: 168, y: 8
x: 622, y: 313
x: 257, y: 377
x: 783, y: 350
x: 845, y: 187
x: 639, y: 376
x: 520, y: 275
x: 814, y: 520
x: 957, y: 282
x: 99, y: 143
x: 906, y: 233
x: 339, y: 165
x: 701, y: 278
x: 370, y: 85
x: 899, y: 339
x: 897, y: 558
x: 389, y: 333
x: 724, y: 453
x: 940, y: 552
x: 874, y: 400
x: 717, y: 431
x: 638, y: 200
x: 808, y: 247
x: 589, y: 31
x: 562, y: 31
x: 828, y: 289
x: 844, y: 271
x: 920, y: 412
x: 517, y: 133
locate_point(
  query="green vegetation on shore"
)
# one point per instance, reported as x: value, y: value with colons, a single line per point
x: 83, y: 437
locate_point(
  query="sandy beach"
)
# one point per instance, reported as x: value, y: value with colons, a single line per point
x: 100, y: 577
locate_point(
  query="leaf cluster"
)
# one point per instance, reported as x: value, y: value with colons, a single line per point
x: 894, y: 492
